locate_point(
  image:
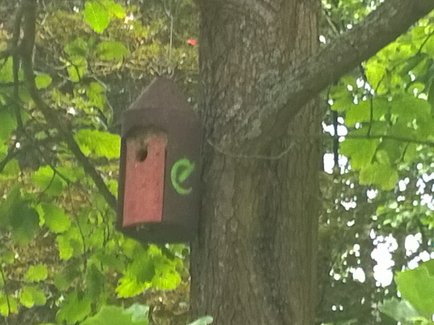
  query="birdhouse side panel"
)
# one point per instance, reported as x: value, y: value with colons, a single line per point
x: 182, y: 189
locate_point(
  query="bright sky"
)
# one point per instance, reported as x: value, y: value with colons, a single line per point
x: 385, y: 245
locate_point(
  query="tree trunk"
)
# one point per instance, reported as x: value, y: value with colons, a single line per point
x: 254, y: 261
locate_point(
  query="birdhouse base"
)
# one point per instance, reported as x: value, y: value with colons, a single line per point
x: 161, y: 233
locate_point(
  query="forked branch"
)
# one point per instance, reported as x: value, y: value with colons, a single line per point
x: 26, y: 52
x: 286, y: 97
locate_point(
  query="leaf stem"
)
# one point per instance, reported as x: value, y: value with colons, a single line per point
x: 28, y: 41
x: 5, y: 289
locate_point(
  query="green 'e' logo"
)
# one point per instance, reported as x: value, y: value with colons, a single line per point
x: 181, y: 170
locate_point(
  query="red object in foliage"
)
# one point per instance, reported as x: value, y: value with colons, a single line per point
x: 192, y: 41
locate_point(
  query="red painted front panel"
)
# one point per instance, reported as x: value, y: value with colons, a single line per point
x: 144, y: 180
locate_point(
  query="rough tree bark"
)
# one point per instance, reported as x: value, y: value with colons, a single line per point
x: 254, y: 262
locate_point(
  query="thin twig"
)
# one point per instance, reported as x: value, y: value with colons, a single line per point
x: 390, y: 137
x: 4, y: 288
x: 371, y: 99
x: 49, y: 114
x: 80, y: 230
x: 16, y: 65
x: 9, y: 156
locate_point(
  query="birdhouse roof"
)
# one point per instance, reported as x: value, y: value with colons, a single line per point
x: 161, y: 93
x: 163, y: 106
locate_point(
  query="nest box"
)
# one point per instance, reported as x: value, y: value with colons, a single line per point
x: 159, y: 185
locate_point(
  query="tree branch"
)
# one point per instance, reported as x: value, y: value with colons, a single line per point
x: 286, y: 96
x: 26, y: 51
x: 5, y: 281
x: 390, y: 137
x: 12, y: 153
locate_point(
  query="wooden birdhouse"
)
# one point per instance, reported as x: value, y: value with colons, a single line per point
x: 159, y: 183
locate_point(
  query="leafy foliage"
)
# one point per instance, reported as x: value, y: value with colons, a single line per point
x: 62, y: 260
x: 416, y: 288
x: 379, y: 118
x: 136, y: 314
x: 387, y: 110
x: 98, y: 14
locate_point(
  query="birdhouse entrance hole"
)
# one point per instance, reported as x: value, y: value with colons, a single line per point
x: 142, y: 153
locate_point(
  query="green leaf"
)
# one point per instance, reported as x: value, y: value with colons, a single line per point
x: 382, y: 157
x: 168, y: 280
x: 399, y: 310
x: 417, y: 286
x: 95, y: 282
x: 69, y: 244
x: 403, y: 129
x: 96, y: 16
x: 374, y: 72
x: 408, y: 108
x: 24, y: 224
x: 77, y: 48
x: 77, y: 69
x: 8, y: 305
x: 431, y: 94
x: 429, y: 47
x: 31, y: 296
x: 142, y: 268
x: 6, y: 257
x: 360, y: 151
x: 6, y: 71
x: 382, y: 175
x: 65, y: 248
x: 36, y: 273
x: 55, y: 218
x: 11, y: 170
x: 114, y: 9
x: 130, y: 287
x: 410, y: 153
x: 48, y: 182
x: 114, y: 315
x: 9, y: 205
x: 358, y: 113
x: 65, y: 278
x: 98, y: 143
x: 361, y: 112
x: 74, y: 309
x: 166, y: 275
x: 110, y: 260
x: 342, y: 99
x: 8, y: 125
x: 96, y: 94
x: 138, y: 312
x: 112, y: 51
x: 391, y: 150
x: 425, y: 127
x: 43, y: 80
x: 131, y: 247
x: 72, y: 173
